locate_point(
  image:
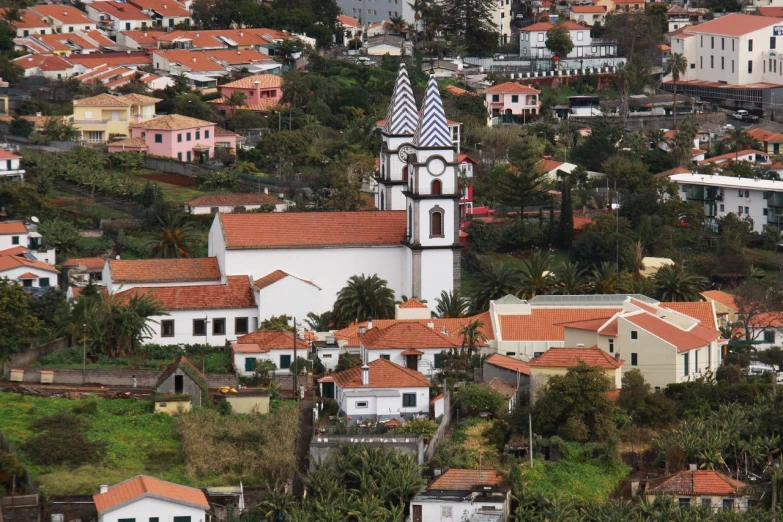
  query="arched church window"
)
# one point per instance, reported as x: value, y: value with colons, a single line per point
x: 382, y: 200
x: 436, y: 187
x: 436, y: 222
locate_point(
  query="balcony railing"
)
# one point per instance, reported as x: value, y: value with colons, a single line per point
x: 87, y: 122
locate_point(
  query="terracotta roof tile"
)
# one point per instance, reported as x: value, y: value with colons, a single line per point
x: 413, y: 303
x: 120, y: 10
x: 672, y: 172
x: 592, y: 325
x: 406, y: 335
x: 164, y: 270
x: 775, y: 12
x: 734, y: 24
x: 412, y: 351
x: 273, y: 277
x: 90, y: 263
x: 724, y: 298
x: 172, y: 122
x: 236, y: 293
x: 62, y: 13
x: 546, y: 324
x: 392, y: 423
x: 262, y: 341
x: 644, y: 306
x: 699, y: 482
x: 103, y: 100
x: 383, y: 374
x: 508, y: 363
x: 29, y: 20
x: 143, y: 486
x: 164, y: 8
x: 702, y: 311
x: 28, y: 275
x: 141, y: 99
x: 9, y: 262
x: 313, y: 229
x: 546, y: 26
x: 347, y: 21
x: 466, y: 479
x: 681, y: 339
x: 614, y: 395
x: 511, y: 88
x: 44, y: 62
x: 350, y: 334
x: 731, y: 156
x: 144, y: 37
x: 12, y: 227
x: 500, y: 386
x: 570, y: 357
x: 265, y: 81
x: 588, y: 8
x: 111, y: 58
x: 128, y: 143
x: 548, y: 165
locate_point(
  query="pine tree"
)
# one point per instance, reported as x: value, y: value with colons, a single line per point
x: 520, y: 185
x: 566, y: 231
x: 470, y: 22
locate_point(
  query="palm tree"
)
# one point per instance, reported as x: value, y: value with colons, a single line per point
x: 655, y: 136
x: 604, y: 278
x: 236, y: 99
x: 472, y: 336
x: 176, y: 237
x: 397, y: 24
x: 679, y: 65
x: 319, y: 322
x: 247, y: 167
x: 295, y: 90
x: 741, y: 140
x: 672, y: 283
x: 570, y: 279
x: 451, y: 304
x: 494, y: 280
x: 537, y: 277
x: 116, y: 323
x: 363, y: 298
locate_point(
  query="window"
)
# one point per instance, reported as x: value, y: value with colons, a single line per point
x: 446, y: 511
x: 685, y: 362
x: 179, y: 156
x: 179, y: 138
x: 701, y: 62
x: 514, y: 98
x: 722, y: 63
x: 739, y: 210
x: 438, y: 361
x: 361, y: 404
x: 206, y: 134
x: 732, y: 44
x: 326, y: 356
x: 250, y: 364
x: 696, y: 361
x: 722, y: 208
x: 728, y: 503
x: 706, y: 502
x: 657, y: 389
x: 634, y: 334
x: 240, y: 325
x: 712, y: 42
x: 198, y: 135
x: 436, y: 224
x: 218, y: 327
x: 769, y: 336
x: 436, y: 186
x: 634, y: 359
x: 199, y: 327
x: 180, y: 519
x: 285, y: 362
x: 187, y: 136
x: 158, y: 138
x: 154, y: 519
x: 611, y: 345
x: 408, y: 400
x: 747, y: 210
x: 684, y: 501
x: 14, y: 240
x: 540, y: 37
x: 712, y: 62
x: 167, y: 328
x: 701, y: 43
x: 750, y: 66
x: 732, y: 66
x: 750, y: 45
x: 772, y: 42
x: 386, y: 356
x: 722, y: 44
x: 765, y: 211
x: 27, y: 283
x: 126, y: 520
x: 579, y: 36
x: 495, y: 97
x: 189, y: 156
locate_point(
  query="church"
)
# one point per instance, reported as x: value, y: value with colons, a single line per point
x: 294, y: 263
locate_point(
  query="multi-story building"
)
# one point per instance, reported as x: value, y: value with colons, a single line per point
x: 511, y: 102
x: 261, y: 92
x: 532, y: 42
x: 63, y: 18
x: 588, y: 14
x: 105, y: 115
x: 368, y: 11
x: 758, y: 199
x: 114, y: 16
x: 501, y: 18
x: 9, y: 166
x: 28, y: 23
x: 164, y: 13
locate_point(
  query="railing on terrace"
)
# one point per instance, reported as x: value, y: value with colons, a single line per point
x: 98, y: 121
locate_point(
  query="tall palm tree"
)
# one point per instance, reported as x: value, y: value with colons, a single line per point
x: 237, y: 99
x: 397, y: 24
x: 672, y: 283
x: 603, y: 278
x: 679, y: 66
x: 176, y: 237
x: 741, y: 140
x: 116, y: 323
x: 472, y: 336
x: 570, y: 279
x: 295, y: 90
x: 655, y: 136
x: 537, y: 277
x: 319, y: 322
x: 363, y: 298
x: 451, y: 304
x: 494, y: 280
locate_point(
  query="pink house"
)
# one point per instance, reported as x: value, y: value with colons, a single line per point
x: 261, y: 91
x: 511, y: 102
x: 174, y: 136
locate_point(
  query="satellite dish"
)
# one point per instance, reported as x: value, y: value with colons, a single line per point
x: 34, y: 219
x: 118, y: 257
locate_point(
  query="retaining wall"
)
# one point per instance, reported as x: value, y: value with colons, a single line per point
x: 144, y: 378
x: 324, y: 446
x: 32, y: 354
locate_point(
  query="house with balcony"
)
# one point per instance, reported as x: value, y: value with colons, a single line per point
x: 101, y: 117
x: 532, y: 42
x: 165, y: 14
x: 587, y: 14
x: 261, y: 92
x: 770, y: 141
x: 511, y: 102
x: 63, y: 18
x: 10, y: 170
x: 113, y: 17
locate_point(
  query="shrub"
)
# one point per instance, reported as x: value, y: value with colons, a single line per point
x: 62, y: 441
x: 424, y: 427
x: 480, y: 399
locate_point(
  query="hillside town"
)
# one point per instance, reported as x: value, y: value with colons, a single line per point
x: 391, y: 261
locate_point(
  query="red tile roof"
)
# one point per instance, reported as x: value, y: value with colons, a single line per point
x: 28, y: 275
x: 412, y: 351
x: 734, y: 24
x: 236, y: 199
x: 508, y: 363
x: 570, y: 357
x: 702, y: 311
x: 262, y: 341
x: 765, y: 135
x: 592, y: 325
x: 347, y: 21
x: 90, y: 263
x: 29, y: 20
x: 588, y: 8
x: 775, y: 12
x: 406, y: 335
x: 236, y: 293
x: 465, y: 479
x: 164, y: 270
x: 148, y: 487
x: 672, y: 172
x: 350, y: 334
x: 120, y: 10
x: 511, y: 88
x: 699, y: 482
x: 12, y: 261
x: 265, y: 81
x: 4, y: 154
x: 413, y: 303
x: 62, y: 13
x: 724, y: 298
x: 164, y: 8
x: 274, y: 277
x: 144, y: 37
x: 45, y: 62
x: 12, y: 227
x: 614, y: 395
x: 464, y: 158
x: 683, y: 340
x: 730, y: 156
x: 581, y: 221
x: 313, y: 229
x: 95, y: 59
x: 546, y: 324
x: 383, y: 374
x: 548, y: 165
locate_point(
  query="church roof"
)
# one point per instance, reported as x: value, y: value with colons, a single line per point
x: 402, y: 115
x: 433, y: 129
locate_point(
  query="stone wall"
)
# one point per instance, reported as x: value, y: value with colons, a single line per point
x: 144, y: 378
x: 32, y: 354
x: 324, y: 447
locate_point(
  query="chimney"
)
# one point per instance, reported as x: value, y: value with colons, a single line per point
x: 617, y: 356
x: 365, y: 375
x: 194, y: 59
x: 145, y: 34
x: 692, y: 467
x: 266, y: 190
x: 241, y: 33
x: 430, y: 324
x: 369, y: 323
x: 362, y: 330
x: 104, y: 488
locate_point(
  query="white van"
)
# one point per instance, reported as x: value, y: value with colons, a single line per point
x: 739, y: 115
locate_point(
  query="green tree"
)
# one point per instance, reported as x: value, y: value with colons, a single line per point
x: 175, y: 237
x: 319, y: 322
x: 59, y: 233
x: 558, y: 40
x: 672, y: 283
x: 346, y: 177
x: 469, y: 22
x: 576, y: 405
x: 17, y: 324
x: 116, y: 323
x: 363, y: 298
x: 678, y: 66
x: 451, y: 304
x: 603, y: 278
x: 566, y: 224
x: 570, y: 279
x: 494, y: 280
x: 193, y: 106
x: 536, y: 274
x: 472, y: 337
x: 237, y: 99
x: 520, y: 184
x: 479, y: 399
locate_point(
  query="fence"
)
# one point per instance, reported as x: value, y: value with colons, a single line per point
x: 128, y: 207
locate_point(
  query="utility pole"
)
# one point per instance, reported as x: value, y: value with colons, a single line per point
x: 84, y: 349
x: 530, y: 439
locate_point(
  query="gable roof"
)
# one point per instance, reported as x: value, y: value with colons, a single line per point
x: 546, y: 26
x: 383, y: 374
x: 683, y: 340
x: 45, y: 62
x: 699, y: 482
x: 508, y: 363
x: 188, y: 369
x: 765, y: 135
x: 588, y: 8
x: 103, y: 100
x: 278, y: 275
x: 412, y: 303
x: 466, y: 479
x: 350, y: 334
x: 262, y: 341
x: 265, y: 81
x: 164, y: 270
x: 9, y: 262
x: 313, y: 229
x: 90, y: 263
x: 724, y: 298
x: 570, y: 357
x: 147, y: 487
x: 511, y: 88
x: 731, y: 156
x: 62, y: 13
x: 119, y: 10
x: 12, y: 227
x: 236, y: 293
x: 110, y: 58
x: 406, y: 335
x: 164, y: 8
x: 734, y: 24
x: 702, y: 311
x: 547, y: 324
x: 29, y: 20
x: 172, y: 122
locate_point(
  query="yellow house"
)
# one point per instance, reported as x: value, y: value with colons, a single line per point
x: 725, y: 306
x: 100, y: 117
x: 557, y: 361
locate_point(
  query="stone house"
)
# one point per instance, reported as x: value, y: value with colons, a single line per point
x: 182, y: 378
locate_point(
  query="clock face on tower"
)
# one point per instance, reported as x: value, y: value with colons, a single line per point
x: 404, y: 152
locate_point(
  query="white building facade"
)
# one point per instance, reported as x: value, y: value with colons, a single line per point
x: 532, y: 42
x: 145, y: 498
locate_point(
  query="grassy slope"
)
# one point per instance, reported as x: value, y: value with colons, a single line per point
x: 592, y: 480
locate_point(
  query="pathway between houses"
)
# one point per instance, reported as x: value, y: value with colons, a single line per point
x: 303, y: 444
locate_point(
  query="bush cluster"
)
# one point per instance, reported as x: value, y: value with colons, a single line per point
x: 62, y: 441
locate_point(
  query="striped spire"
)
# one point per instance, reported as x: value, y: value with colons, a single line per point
x: 402, y: 115
x: 433, y: 129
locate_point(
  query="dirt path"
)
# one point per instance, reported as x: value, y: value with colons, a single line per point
x: 303, y: 444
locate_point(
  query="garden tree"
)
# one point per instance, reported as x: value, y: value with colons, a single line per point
x: 558, y: 40
x: 295, y: 89
x: 17, y: 324
x: 58, y: 129
x: 479, y: 399
x: 520, y: 184
x: 319, y: 322
x: 637, y: 35
x: 21, y: 127
x: 741, y: 140
x: 53, y: 311
x: 397, y: 24
x: 570, y: 279
x: 494, y: 280
x: 451, y: 304
x: 630, y: 175
x: 672, y: 283
x: 600, y: 240
x: 566, y: 224
x: 735, y: 233
x: 176, y: 237
x: 236, y: 99
x: 470, y: 23
x: 645, y: 408
x: 472, y: 336
x: 116, y: 323
x: 603, y: 278
x: 277, y: 322
x: 193, y: 106
x: 678, y: 66
x: 576, y: 405
x: 596, y: 148
x: 346, y: 177
x: 758, y: 307
x: 59, y: 233
x: 363, y: 298
x: 625, y: 78
x: 536, y: 274
x: 243, y: 120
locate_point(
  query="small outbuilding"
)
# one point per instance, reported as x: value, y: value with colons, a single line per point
x: 182, y: 378
x: 147, y: 498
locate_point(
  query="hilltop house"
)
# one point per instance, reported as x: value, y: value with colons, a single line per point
x: 10, y: 169
x: 511, y: 102
x: 277, y: 346
x: 143, y: 498
x: 557, y: 361
x: 706, y: 488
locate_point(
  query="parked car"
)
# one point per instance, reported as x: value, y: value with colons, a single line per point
x: 739, y: 115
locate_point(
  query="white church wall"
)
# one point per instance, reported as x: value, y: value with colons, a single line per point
x: 217, y: 244
x: 289, y: 296
x: 437, y: 273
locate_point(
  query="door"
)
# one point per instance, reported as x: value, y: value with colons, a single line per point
x: 776, y: 148
x: 412, y: 362
x: 179, y: 383
x: 328, y: 388
x: 417, y: 517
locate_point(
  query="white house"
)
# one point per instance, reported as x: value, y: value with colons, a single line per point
x: 281, y: 293
x: 10, y: 166
x: 278, y: 346
x: 532, y: 42
x: 63, y: 18
x: 114, y: 17
x: 747, y: 155
x: 145, y: 498
x: 378, y: 391
x: 511, y: 102
x: 238, y: 201
x: 549, y: 167
x: 463, y: 494
x: 20, y: 239
x: 588, y: 14
x: 200, y: 313
x: 28, y: 273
